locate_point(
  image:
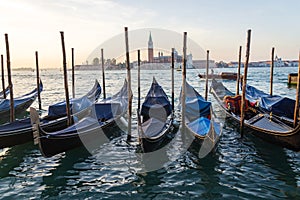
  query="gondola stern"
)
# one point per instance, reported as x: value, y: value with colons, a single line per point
x: 35, y: 122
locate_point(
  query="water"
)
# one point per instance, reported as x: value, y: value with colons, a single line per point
x: 245, y: 168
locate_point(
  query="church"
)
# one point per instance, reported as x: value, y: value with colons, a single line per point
x: 161, y: 58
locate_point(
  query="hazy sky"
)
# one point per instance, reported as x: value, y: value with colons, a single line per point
x: 217, y: 25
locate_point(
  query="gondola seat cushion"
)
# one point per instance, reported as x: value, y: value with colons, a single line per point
x: 233, y: 103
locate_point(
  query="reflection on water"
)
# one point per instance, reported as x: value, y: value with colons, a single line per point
x: 237, y: 168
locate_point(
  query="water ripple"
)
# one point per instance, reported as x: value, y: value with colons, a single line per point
x: 246, y: 168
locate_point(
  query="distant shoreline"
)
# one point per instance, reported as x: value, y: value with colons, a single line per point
x: 23, y: 69
x: 94, y: 69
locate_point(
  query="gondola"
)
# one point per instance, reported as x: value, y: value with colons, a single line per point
x: 199, y: 120
x: 155, y: 119
x: 20, y: 131
x: 6, y: 92
x: 20, y: 103
x: 260, y: 124
x: 89, y: 131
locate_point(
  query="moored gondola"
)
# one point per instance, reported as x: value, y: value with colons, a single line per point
x: 200, y: 121
x: 6, y: 91
x: 261, y: 124
x: 156, y: 119
x: 89, y: 131
x: 197, y: 116
x: 20, y: 103
x: 20, y: 131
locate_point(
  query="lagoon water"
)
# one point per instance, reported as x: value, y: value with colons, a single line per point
x: 238, y: 168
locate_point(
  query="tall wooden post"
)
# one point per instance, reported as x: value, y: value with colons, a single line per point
x: 3, y: 79
x: 239, y: 72
x: 183, y: 95
x: 73, y: 74
x: 139, y: 81
x: 206, y: 79
x: 129, y: 110
x: 139, y: 102
x: 38, y: 80
x: 296, y: 112
x: 271, y: 71
x: 244, y: 83
x: 66, y: 78
x: 173, y: 65
x: 103, y: 74
x: 12, y: 108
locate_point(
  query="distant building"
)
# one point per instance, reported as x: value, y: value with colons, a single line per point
x: 161, y: 58
x: 235, y: 64
x: 160, y: 62
x: 150, y: 49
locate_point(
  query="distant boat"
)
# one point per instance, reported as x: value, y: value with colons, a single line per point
x: 222, y: 75
x: 292, y: 79
x: 178, y: 68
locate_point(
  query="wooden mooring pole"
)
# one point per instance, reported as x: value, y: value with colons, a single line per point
x: 73, y: 74
x: 103, y: 74
x: 296, y: 111
x: 139, y: 80
x: 172, y: 79
x: 66, y: 78
x: 272, y: 71
x: 12, y: 108
x: 3, y: 79
x: 129, y: 110
x: 244, y: 83
x: 38, y: 80
x: 206, y: 79
x: 239, y: 72
x: 183, y: 95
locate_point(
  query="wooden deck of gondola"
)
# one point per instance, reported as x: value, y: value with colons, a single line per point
x: 153, y: 144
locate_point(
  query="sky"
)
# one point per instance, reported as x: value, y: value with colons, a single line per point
x: 216, y: 25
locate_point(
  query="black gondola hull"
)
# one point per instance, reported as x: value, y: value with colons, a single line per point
x: 24, y: 134
x: 16, y: 138
x: 92, y: 139
x: 150, y: 145
x: 291, y: 141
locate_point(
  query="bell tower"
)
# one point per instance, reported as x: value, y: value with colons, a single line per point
x: 150, y: 49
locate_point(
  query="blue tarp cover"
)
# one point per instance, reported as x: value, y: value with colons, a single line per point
x: 196, y: 106
x: 281, y: 106
x: 76, y: 104
x: 155, y: 100
x: 200, y: 126
x: 5, y: 103
x: 103, y: 111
